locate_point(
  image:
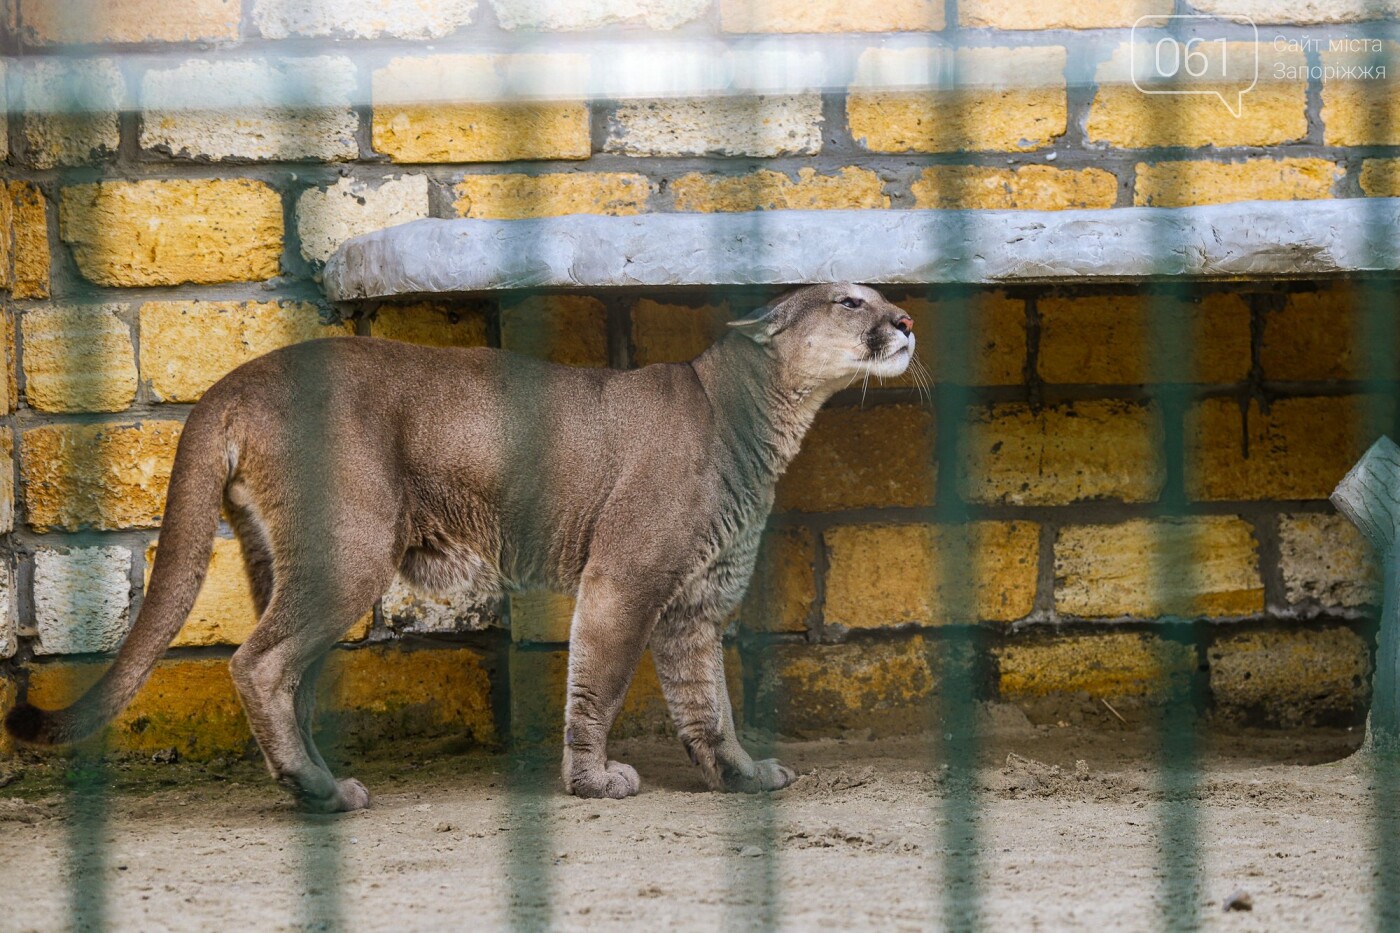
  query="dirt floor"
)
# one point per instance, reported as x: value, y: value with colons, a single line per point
x: 1067, y: 831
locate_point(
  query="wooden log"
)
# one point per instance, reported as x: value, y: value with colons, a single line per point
x: 1369, y: 495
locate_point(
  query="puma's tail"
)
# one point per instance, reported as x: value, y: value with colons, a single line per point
x: 192, y: 505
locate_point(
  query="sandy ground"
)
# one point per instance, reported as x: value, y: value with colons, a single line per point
x: 453, y: 842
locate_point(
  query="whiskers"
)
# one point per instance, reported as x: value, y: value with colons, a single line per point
x: 917, y: 372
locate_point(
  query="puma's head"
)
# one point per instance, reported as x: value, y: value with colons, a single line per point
x: 833, y: 334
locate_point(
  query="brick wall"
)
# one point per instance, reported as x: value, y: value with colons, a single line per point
x: 147, y: 249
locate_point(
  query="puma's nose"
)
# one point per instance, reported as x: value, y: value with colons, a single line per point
x: 905, y: 325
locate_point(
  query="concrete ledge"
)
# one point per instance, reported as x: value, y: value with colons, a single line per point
x: 1256, y: 239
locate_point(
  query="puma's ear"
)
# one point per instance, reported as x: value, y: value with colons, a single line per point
x: 760, y: 325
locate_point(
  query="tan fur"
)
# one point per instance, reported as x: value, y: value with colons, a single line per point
x: 344, y: 461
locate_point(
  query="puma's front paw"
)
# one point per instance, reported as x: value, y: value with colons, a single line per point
x: 617, y: 781
x: 349, y: 794
x: 767, y: 775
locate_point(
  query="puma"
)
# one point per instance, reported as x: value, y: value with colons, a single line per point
x: 341, y: 462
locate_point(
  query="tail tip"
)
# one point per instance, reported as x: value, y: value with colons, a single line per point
x: 25, y: 723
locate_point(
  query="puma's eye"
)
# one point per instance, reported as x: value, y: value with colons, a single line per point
x: 851, y: 302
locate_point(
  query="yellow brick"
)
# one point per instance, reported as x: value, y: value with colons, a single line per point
x: 1380, y: 178
x: 806, y: 16
x: 994, y: 327
x: 1116, y: 339
x: 668, y: 333
x: 1074, y: 452
x: 1291, y: 678
x: 1341, y: 331
x: 1028, y: 188
x: 202, y: 231
x: 1107, y: 664
x: 1197, y: 566
x: 7, y: 350
x: 568, y: 329
x: 1299, y: 449
x: 510, y: 197
x: 538, y: 682
x: 7, y: 480
x: 783, y: 589
x: 78, y: 359
x: 100, y: 475
x: 224, y: 613
x: 809, y: 691
x: 766, y: 190
x: 454, y: 131
x: 1326, y: 562
x: 1061, y: 14
x: 885, y: 575
x: 1274, y: 111
x: 1359, y: 112
x: 1020, y: 106
x: 389, y: 693
x: 187, y: 346
x: 95, y: 22
x: 30, y: 255
x: 9, y: 696
x: 871, y: 458
x: 539, y: 616
x: 1179, y: 184
x: 190, y: 705
x: 433, y: 325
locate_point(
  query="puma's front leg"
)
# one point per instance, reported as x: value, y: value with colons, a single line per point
x: 690, y: 665
x: 610, y: 628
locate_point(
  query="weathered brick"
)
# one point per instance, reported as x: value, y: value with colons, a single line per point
x: 574, y: 15
x: 1274, y: 110
x: 82, y: 599
x: 100, y: 475
x: 764, y: 126
x: 78, y: 359
x: 1299, y: 449
x: 200, y: 231
x: 7, y: 480
x: 30, y: 255
x: 568, y: 329
x: 1357, y: 111
x: 1183, y: 183
x: 100, y: 22
x: 1063, y: 14
x: 10, y: 387
x: 1305, y: 11
x: 9, y: 616
x: 187, y: 346
x: 992, y: 324
x: 1115, y: 339
x: 540, y: 617
x: 671, y: 333
x: 810, y: 691
x: 766, y: 190
x: 4, y: 124
x: 1017, y: 102
x: 1014, y: 454
x: 510, y: 197
x: 809, y: 16
x: 9, y: 697
x: 1208, y: 565
x: 241, y: 113
x: 1327, y: 563
x: 70, y: 110
x: 1291, y: 678
x: 433, y: 325
x: 1027, y: 188
x: 406, y: 610
x: 327, y: 217
x: 1380, y: 178
x: 885, y: 575
x: 863, y: 458
x: 419, y: 113
x: 537, y: 692
x: 1104, y: 664
x: 364, y: 19
x: 189, y: 705
x: 1341, y: 331
x: 388, y: 693
x: 224, y: 612
x: 784, y: 587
